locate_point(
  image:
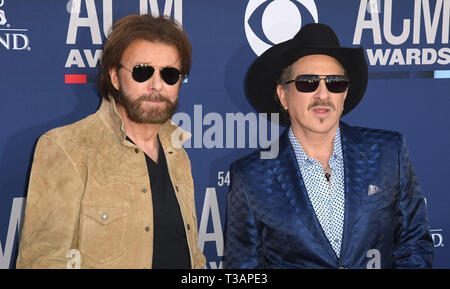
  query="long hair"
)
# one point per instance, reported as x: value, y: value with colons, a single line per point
x: 140, y: 27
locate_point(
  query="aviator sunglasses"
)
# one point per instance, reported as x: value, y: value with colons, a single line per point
x: 310, y: 82
x: 143, y: 72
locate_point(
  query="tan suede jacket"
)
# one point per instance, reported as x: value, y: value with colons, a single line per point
x: 89, y: 190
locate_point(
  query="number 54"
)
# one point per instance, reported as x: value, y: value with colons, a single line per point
x: 223, y: 178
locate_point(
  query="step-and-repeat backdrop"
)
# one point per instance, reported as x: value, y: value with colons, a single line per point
x: 49, y: 56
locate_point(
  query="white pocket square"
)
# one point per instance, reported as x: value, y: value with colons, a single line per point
x: 373, y: 190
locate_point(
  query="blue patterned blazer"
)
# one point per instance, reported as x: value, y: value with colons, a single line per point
x: 271, y: 222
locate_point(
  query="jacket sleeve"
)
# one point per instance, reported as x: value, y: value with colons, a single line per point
x: 413, y: 247
x: 52, y: 208
x: 243, y: 244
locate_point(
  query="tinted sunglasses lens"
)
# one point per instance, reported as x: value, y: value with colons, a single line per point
x: 304, y: 85
x: 142, y: 73
x: 170, y: 75
x: 337, y: 86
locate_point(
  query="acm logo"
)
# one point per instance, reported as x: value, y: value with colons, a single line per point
x: 281, y: 20
x: 424, y: 32
x: 84, y: 14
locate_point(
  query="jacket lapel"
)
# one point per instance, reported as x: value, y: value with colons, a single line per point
x: 355, y: 165
x: 288, y: 174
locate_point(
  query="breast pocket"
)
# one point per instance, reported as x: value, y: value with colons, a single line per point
x: 374, y: 197
x: 102, y: 230
x: 379, y: 203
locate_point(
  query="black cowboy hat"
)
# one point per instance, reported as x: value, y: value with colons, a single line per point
x: 313, y: 38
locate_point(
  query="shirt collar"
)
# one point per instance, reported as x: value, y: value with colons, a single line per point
x: 302, y: 157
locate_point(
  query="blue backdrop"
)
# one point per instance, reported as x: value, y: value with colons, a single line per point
x: 49, y: 53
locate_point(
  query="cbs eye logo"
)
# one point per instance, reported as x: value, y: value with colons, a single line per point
x: 280, y: 21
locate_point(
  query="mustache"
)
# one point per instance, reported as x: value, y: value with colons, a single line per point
x: 321, y: 103
x: 154, y: 97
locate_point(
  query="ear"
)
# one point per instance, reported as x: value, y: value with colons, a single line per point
x: 113, y: 75
x: 282, y: 96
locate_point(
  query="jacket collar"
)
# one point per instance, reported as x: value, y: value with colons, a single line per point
x: 356, y: 156
x: 288, y: 174
x: 170, y: 134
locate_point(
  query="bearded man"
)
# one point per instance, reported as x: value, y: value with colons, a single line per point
x: 113, y: 188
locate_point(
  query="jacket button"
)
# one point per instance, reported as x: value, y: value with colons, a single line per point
x: 188, y: 227
x: 136, y: 151
x: 176, y: 188
x: 105, y: 216
x: 341, y: 267
x: 144, y: 190
x: 147, y: 229
x: 363, y: 155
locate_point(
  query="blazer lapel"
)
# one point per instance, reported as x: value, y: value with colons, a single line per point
x: 288, y: 174
x: 355, y: 165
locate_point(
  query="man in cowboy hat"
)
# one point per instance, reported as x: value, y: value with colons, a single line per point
x: 335, y: 196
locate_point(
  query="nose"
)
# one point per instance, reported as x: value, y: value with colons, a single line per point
x: 155, y: 82
x: 322, y: 91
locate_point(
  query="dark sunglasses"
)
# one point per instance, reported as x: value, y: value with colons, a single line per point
x: 310, y: 82
x: 143, y: 72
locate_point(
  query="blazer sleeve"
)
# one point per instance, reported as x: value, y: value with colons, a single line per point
x: 413, y: 247
x: 243, y: 244
x: 52, y: 208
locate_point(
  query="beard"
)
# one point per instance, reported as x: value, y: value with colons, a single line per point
x: 139, y: 112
